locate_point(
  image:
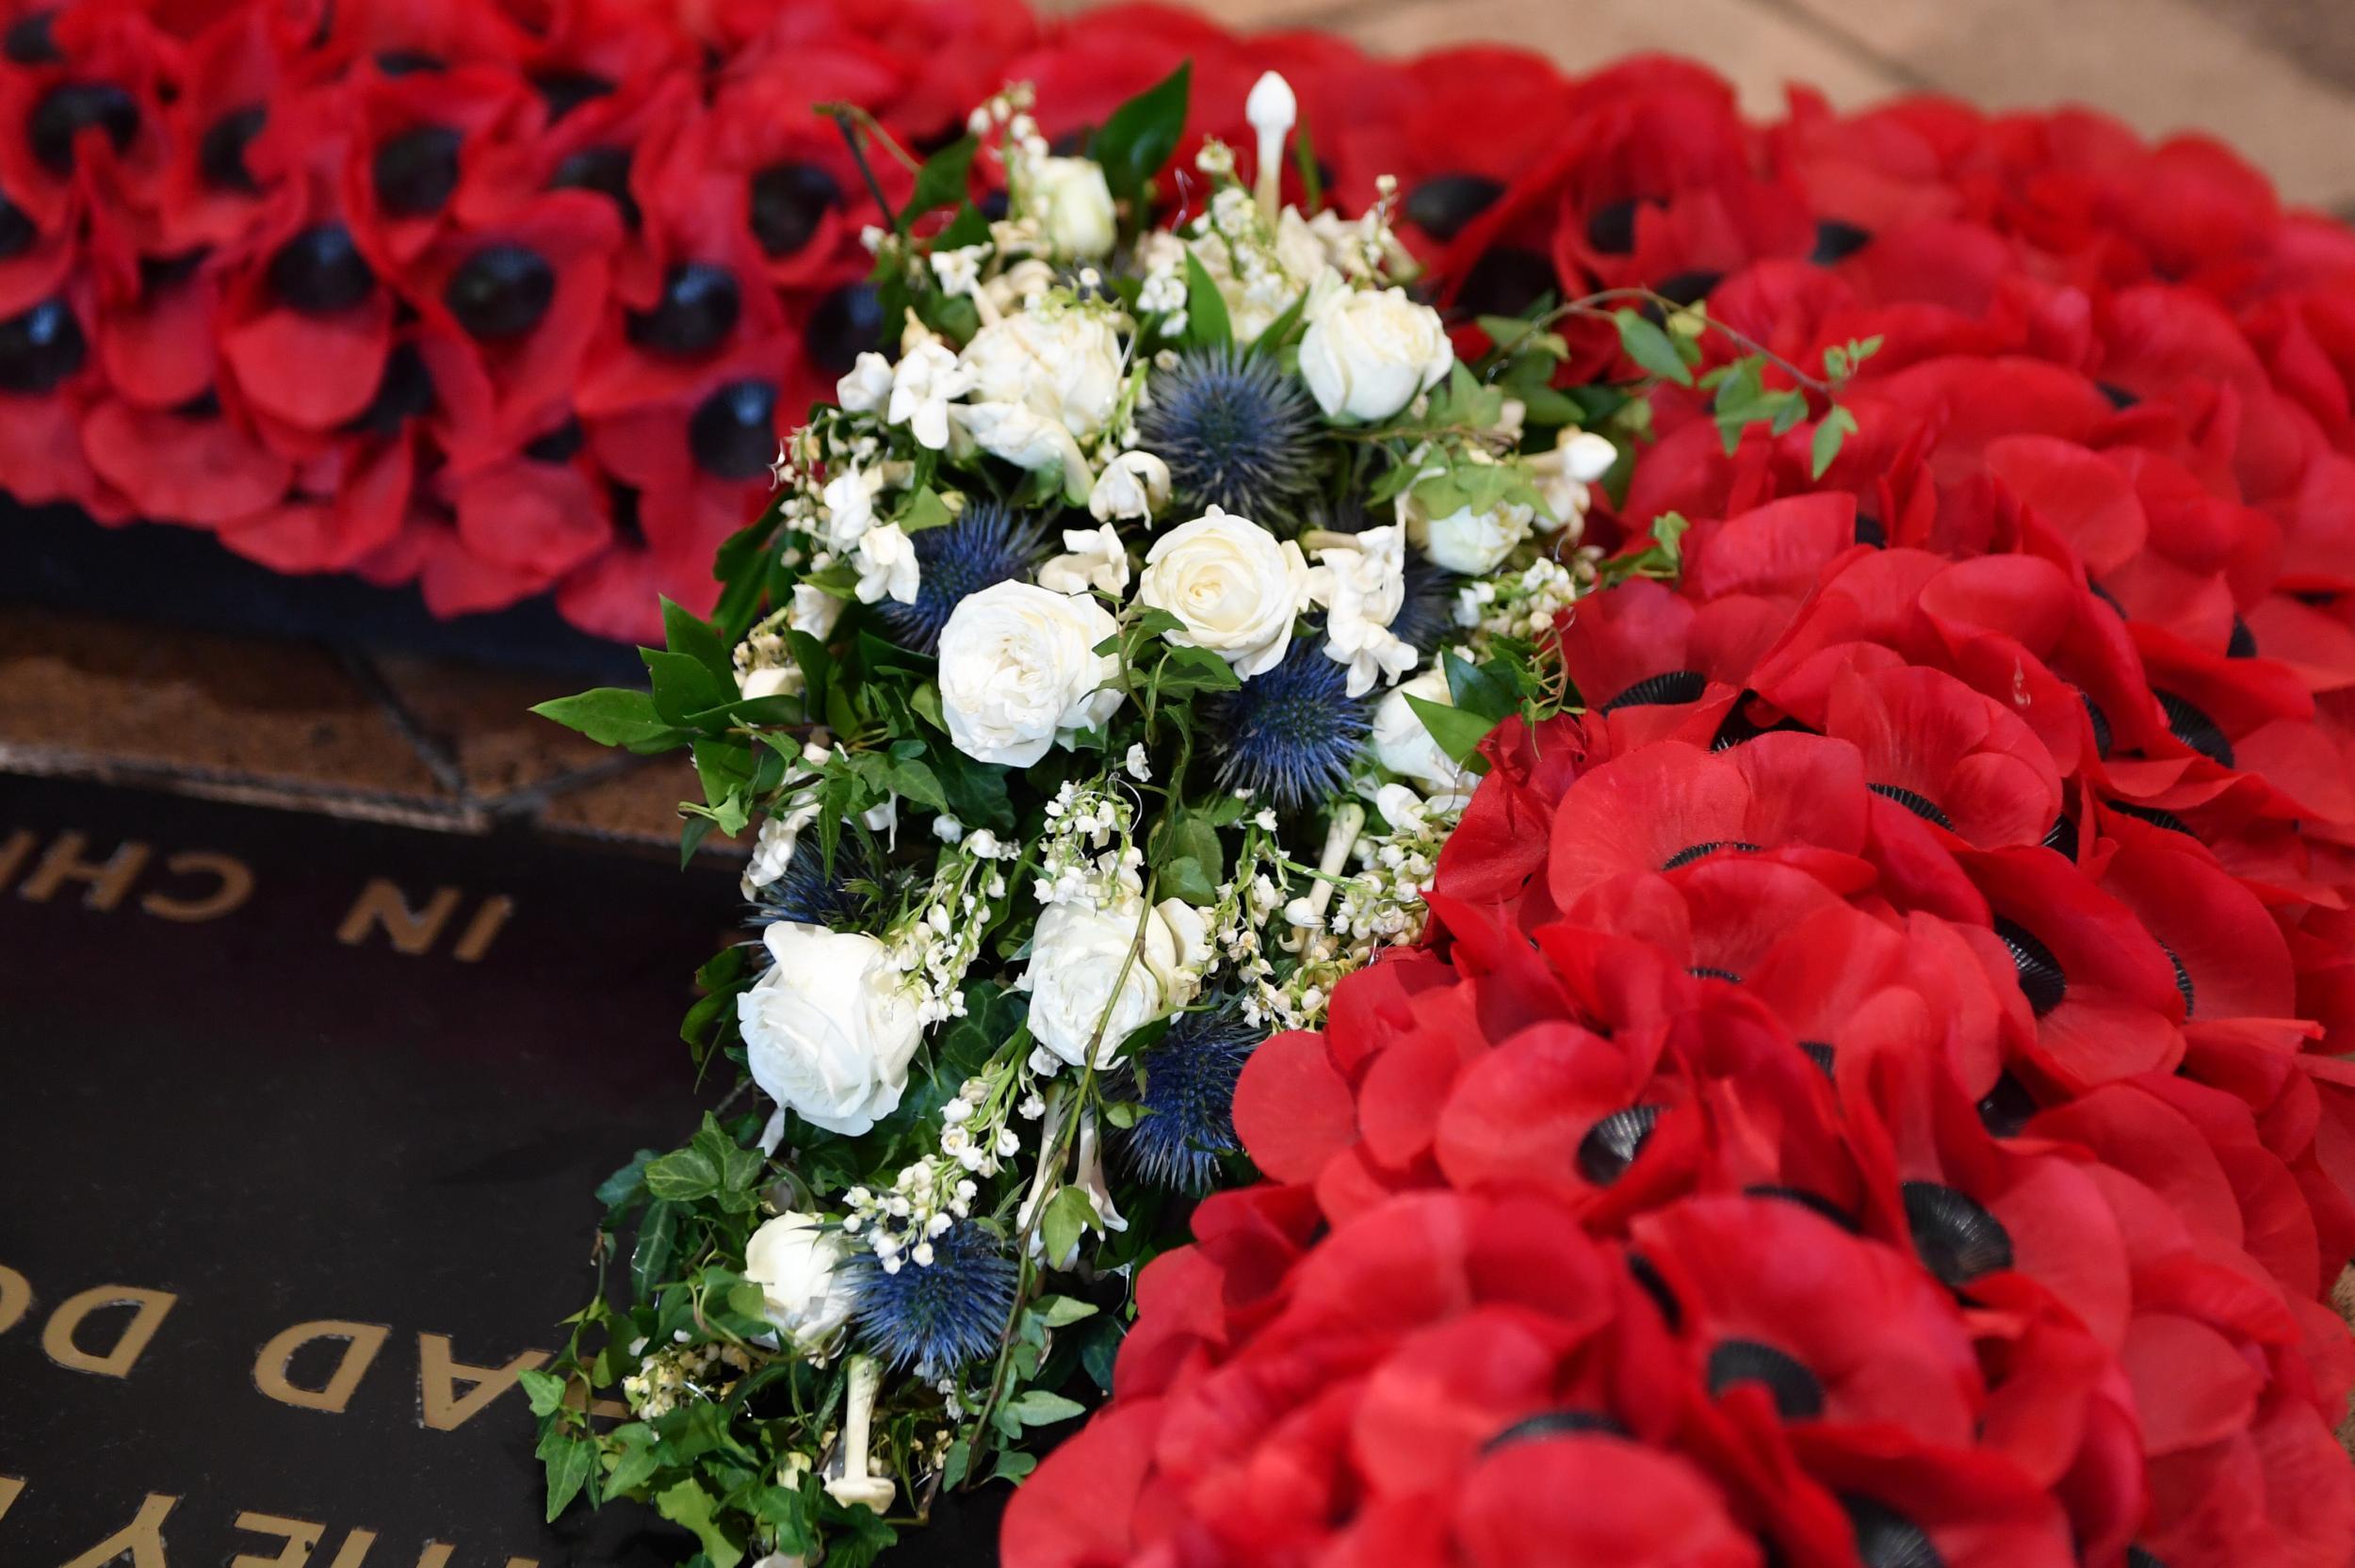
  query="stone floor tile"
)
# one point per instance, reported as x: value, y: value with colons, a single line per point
x: 251, y: 719
x: 479, y: 722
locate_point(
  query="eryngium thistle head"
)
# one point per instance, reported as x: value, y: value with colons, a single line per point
x: 1189, y: 1097
x: 989, y: 543
x: 1236, y: 431
x: 935, y: 1317
x: 807, y: 893
x: 1292, y: 734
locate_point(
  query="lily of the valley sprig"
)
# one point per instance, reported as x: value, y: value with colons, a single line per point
x: 1097, y: 693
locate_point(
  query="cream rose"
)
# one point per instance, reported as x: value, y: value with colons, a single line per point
x: 1472, y: 543
x: 1018, y: 668
x: 1062, y: 364
x: 1402, y: 743
x: 829, y: 1030
x: 1133, y: 485
x: 1367, y: 354
x: 1073, y: 205
x: 1087, y: 975
x: 798, y: 1264
x: 1234, y: 586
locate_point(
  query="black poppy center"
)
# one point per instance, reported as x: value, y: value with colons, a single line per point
x: 788, y: 201
x: 2103, y: 734
x: 847, y: 322
x: 2061, y: 837
x: 1692, y: 852
x: 1836, y: 241
x: 404, y: 391
x: 18, y: 232
x: 1505, y: 281
x: 500, y: 292
x: 415, y: 171
x: 565, y: 90
x: 2156, y: 817
x: 2040, y: 978
x: 733, y: 433
x: 1921, y: 806
x: 220, y: 154
x: 2195, y: 729
x: 1444, y: 204
x: 699, y: 306
x: 1704, y: 972
x: 1820, y: 1054
x: 320, y: 271
x: 1610, y: 227
x: 39, y: 347
x: 605, y: 170
x: 1871, y: 530
x: 1667, y: 689
x: 1556, y: 1423
x: 2184, y: 987
x: 1797, y: 1394
x: 1956, y: 1239
x: 2243, y: 643
x: 1647, y: 1277
x: 1886, y: 1539
x: 70, y: 108
x: 29, y: 40
x: 1815, y: 1203
x: 561, y: 444
x: 2008, y: 1106
x: 1612, y: 1144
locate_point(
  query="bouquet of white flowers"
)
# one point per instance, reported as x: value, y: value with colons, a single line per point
x: 1102, y: 682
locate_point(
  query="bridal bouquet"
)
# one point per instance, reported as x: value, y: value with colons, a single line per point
x: 1103, y: 680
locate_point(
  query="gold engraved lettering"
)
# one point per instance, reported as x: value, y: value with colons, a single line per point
x: 302, y: 1539
x: 143, y: 1538
x: 440, y: 1403
x: 483, y: 928
x: 108, y: 879
x: 361, y: 1343
x: 16, y: 1295
x: 355, y: 1551
x: 13, y: 849
x: 380, y: 903
x: 236, y: 887
x: 148, y: 1306
x: 10, y: 1487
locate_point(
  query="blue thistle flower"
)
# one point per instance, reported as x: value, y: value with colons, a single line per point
x: 989, y: 544
x: 935, y: 1317
x: 805, y: 894
x: 1292, y: 734
x: 1236, y: 431
x: 1189, y: 1097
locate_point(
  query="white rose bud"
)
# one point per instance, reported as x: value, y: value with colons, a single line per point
x: 1096, y: 561
x: 1018, y: 668
x: 828, y: 1030
x: 1073, y: 204
x: 1402, y: 743
x: 1079, y: 958
x: 1234, y: 586
x: 797, y: 1263
x: 1133, y: 485
x: 1472, y: 543
x: 887, y: 566
x: 1062, y: 364
x: 1366, y: 355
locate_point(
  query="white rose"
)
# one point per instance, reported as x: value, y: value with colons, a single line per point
x: 798, y: 1264
x: 927, y: 379
x: 1472, y: 543
x: 1133, y: 485
x: 1096, y: 561
x: 1178, y: 950
x: 887, y: 566
x: 1402, y: 743
x: 828, y: 1030
x: 1079, y: 957
x: 1060, y: 363
x: 1073, y: 204
x: 1234, y: 586
x: 1019, y: 667
x: 1366, y: 355
x: 814, y: 611
x: 1030, y: 441
x: 867, y: 388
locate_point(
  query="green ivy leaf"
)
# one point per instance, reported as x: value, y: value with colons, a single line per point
x: 635, y: 1465
x: 688, y: 1503
x: 1058, y: 1311
x: 684, y: 633
x: 1013, y: 1466
x: 1458, y: 733
x: 682, y: 686
x: 1039, y: 1407
x: 1650, y: 347
x: 1141, y: 135
x: 682, y: 1176
x: 1206, y: 326
x: 613, y: 716
x: 1834, y: 430
x: 941, y: 182
x: 649, y: 1261
x: 546, y: 1391
x: 1068, y: 1215
x: 569, y: 1468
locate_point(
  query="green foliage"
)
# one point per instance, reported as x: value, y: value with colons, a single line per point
x: 1141, y: 135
